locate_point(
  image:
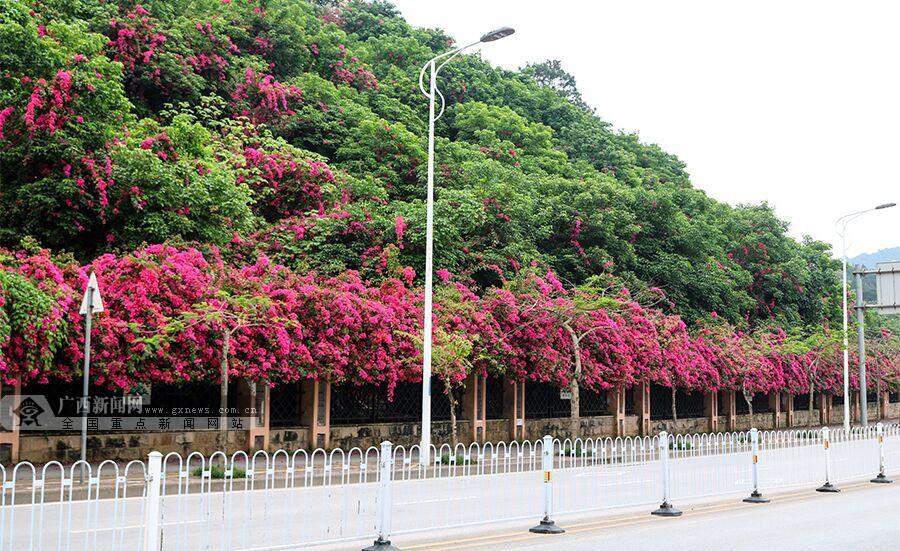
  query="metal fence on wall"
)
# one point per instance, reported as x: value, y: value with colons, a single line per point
x: 688, y: 405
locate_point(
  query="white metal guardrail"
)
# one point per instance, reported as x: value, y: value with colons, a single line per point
x: 283, y: 500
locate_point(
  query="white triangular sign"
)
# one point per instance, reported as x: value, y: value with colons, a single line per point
x: 96, y: 301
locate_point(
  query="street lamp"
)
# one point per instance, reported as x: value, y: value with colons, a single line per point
x: 841, y: 226
x: 431, y: 93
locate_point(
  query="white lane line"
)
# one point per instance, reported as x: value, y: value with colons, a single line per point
x: 439, y: 500
x: 134, y: 527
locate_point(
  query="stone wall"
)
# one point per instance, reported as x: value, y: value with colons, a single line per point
x: 121, y: 446
x: 41, y: 448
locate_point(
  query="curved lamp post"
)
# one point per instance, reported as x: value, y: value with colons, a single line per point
x: 841, y: 226
x: 432, y: 93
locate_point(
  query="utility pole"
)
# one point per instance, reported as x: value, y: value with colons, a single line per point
x: 861, y: 329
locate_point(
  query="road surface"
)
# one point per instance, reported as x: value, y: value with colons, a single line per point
x: 862, y: 517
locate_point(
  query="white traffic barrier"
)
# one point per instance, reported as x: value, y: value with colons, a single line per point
x: 547, y: 525
x: 385, y: 500
x: 881, y: 478
x: 151, y: 509
x: 666, y: 509
x: 302, y: 498
x: 828, y: 487
x: 755, y: 495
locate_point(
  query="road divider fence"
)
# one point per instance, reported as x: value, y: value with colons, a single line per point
x: 284, y: 499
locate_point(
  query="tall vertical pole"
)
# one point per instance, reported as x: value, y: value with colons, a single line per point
x: 87, y: 373
x: 425, y: 445
x: 152, y: 502
x: 666, y: 509
x: 547, y: 524
x: 755, y: 495
x: 879, y: 434
x: 861, y: 329
x: 385, y: 500
x: 846, y: 349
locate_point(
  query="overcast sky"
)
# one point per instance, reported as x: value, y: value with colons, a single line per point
x: 794, y: 103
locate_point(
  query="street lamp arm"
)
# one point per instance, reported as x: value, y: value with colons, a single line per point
x: 449, y: 55
x: 847, y: 218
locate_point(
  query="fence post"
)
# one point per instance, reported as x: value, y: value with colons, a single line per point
x: 881, y: 478
x: 828, y: 486
x: 666, y: 509
x: 755, y: 496
x: 547, y: 526
x: 385, y: 500
x: 152, y: 506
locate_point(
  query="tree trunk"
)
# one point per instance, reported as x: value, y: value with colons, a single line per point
x: 223, y: 390
x: 574, y: 403
x: 574, y: 410
x: 878, y: 397
x: 812, y: 387
x: 674, y: 408
x: 749, y: 399
x: 454, y: 437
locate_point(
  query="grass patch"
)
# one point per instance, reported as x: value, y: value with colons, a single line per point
x: 579, y: 452
x: 217, y: 472
x: 459, y: 460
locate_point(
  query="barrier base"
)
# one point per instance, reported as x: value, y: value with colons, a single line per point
x: 755, y: 497
x: 828, y: 487
x: 666, y: 510
x: 881, y: 479
x: 381, y: 545
x: 546, y: 526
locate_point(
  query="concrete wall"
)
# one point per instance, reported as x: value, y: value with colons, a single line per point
x: 121, y: 446
x: 41, y: 448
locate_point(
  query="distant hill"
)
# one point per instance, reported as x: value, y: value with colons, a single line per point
x: 869, y: 260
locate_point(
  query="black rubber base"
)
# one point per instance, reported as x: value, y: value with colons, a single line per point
x: 755, y: 497
x: 881, y: 479
x: 829, y: 488
x: 546, y: 526
x: 381, y: 545
x: 666, y: 510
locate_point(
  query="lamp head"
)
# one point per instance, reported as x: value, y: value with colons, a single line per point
x: 886, y: 206
x: 497, y: 34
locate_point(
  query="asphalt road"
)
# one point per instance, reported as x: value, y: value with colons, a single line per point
x: 862, y: 517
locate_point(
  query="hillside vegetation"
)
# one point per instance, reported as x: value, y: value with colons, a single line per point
x: 223, y: 162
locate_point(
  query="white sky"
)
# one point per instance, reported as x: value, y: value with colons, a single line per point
x: 796, y: 103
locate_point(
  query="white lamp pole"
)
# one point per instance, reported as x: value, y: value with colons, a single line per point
x: 432, y: 93
x: 841, y: 225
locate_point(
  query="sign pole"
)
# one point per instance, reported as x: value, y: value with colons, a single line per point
x: 92, y: 303
x: 87, y: 374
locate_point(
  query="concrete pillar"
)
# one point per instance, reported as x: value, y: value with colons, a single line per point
x: 474, y: 406
x: 257, y: 398
x: 514, y: 408
x: 11, y: 437
x: 616, y: 408
x: 825, y: 405
x: 642, y: 405
x: 730, y: 409
x: 775, y: 406
x: 315, y: 412
x: 711, y: 409
x: 789, y: 410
